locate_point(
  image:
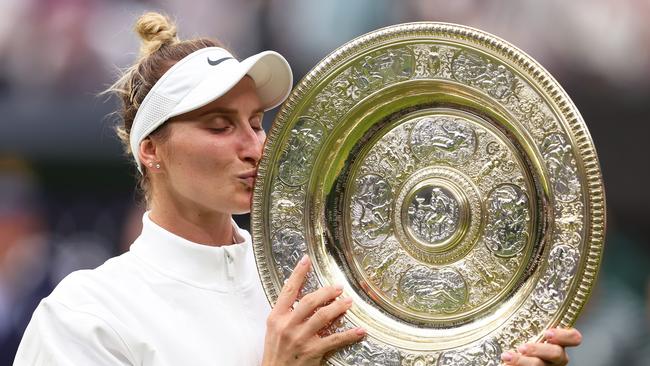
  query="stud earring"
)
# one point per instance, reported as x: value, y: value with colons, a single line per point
x: 150, y: 165
x: 157, y: 166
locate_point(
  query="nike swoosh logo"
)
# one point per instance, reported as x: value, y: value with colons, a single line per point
x: 217, y: 62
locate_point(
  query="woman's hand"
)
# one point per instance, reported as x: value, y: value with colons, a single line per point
x: 543, y: 354
x: 292, y: 333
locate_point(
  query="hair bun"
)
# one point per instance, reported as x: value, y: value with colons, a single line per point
x: 155, y: 30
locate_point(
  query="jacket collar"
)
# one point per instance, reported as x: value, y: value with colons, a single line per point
x: 221, y: 268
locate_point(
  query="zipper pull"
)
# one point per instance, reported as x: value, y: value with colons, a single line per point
x: 229, y: 264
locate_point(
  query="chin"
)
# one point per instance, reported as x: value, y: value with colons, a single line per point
x: 242, y: 211
x: 242, y: 207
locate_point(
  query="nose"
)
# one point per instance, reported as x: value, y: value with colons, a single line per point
x: 251, y: 144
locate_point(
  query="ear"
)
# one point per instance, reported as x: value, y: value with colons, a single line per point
x: 149, y: 155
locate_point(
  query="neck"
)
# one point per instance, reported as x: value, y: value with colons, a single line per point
x: 194, y: 224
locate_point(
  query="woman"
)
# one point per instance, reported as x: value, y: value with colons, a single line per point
x: 187, y: 291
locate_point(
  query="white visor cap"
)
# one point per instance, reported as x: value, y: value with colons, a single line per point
x: 202, y: 77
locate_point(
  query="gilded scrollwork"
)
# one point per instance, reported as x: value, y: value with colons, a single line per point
x: 369, y: 353
x: 419, y: 359
x: 481, y: 72
x: 381, y: 68
x: 302, y: 146
x: 373, y: 72
x: 562, y: 167
x: 391, y: 157
x: 429, y: 59
x: 569, y: 222
x: 531, y: 110
x: 329, y: 106
x: 287, y: 205
x: 552, y: 289
x: 289, y: 246
x: 383, y: 265
x: 486, y: 353
x: 486, y: 274
x: 523, y: 327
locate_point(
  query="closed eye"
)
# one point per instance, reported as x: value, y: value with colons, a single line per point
x: 219, y: 124
x: 219, y: 129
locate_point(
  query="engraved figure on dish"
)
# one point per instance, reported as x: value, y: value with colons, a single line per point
x: 377, y: 70
x: 295, y: 162
x: 561, y: 165
x: 443, y: 138
x: 498, y: 158
x: 370, y: 211
x: 288, y: 247
x: 396, y: 63
x: 433, y: 291
x: 367, y: 353
x: 485, y: 354
x: 562, y: 263
x: 287, y: 211
x: 428, y: 61
x: 391, y: 156
x: 433, y: 215
x: 495, y: 79
x: 388, y: 65
x: 391, y: 160
x: 508, y: 218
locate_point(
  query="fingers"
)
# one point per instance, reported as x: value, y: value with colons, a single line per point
x: 516, y: 359
x: 550, y: 353
x: 563, y: 337
x: 327, y: 314
x: 292, y: 286
x: 314, y: 300
x: 294, y: 333
x: 338, y: 340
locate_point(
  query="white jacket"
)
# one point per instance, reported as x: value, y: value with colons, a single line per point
x: 166, y: 302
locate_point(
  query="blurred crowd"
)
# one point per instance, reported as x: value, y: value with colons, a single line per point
x: 67, y: 197
x: 72, y: 46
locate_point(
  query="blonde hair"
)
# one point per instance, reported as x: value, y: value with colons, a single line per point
x: 160, y: 50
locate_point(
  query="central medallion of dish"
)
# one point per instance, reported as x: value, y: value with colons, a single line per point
x: 440, y: 217
x: 433, y: 214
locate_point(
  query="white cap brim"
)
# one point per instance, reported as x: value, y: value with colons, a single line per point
x: 269, y: 70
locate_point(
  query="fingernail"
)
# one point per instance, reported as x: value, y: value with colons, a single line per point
x: 347, y: 301
x: 304, y: 260
x: 549, y: 334
x: 522, y: 349
x: 338, y: 288
x: 360, y: 331
x: 506, y: 356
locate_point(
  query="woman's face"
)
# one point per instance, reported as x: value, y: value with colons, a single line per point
x: 209, y: 159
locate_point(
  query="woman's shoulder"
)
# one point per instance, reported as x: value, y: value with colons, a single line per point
x: 113, y: 279
x: 81, y: 321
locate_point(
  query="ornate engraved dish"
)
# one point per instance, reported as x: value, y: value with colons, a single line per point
x: 447, y: 181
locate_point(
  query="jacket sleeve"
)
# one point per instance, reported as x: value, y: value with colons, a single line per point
x: 59, y: 335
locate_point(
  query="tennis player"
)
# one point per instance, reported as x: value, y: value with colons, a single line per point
x: 187, y: 292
